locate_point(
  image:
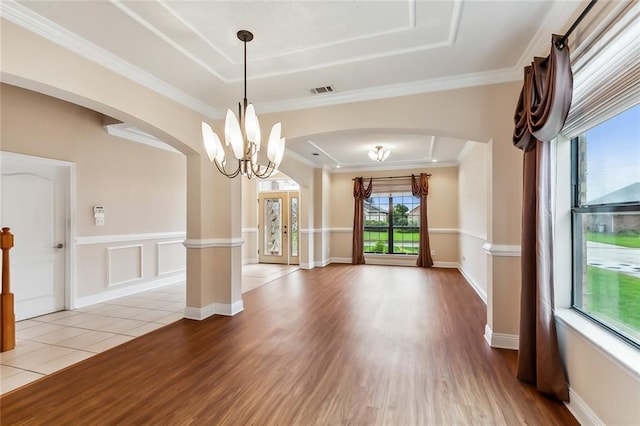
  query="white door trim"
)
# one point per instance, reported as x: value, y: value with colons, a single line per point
x: 69, y: 216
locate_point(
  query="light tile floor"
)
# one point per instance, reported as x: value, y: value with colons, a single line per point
x: 55, y: 341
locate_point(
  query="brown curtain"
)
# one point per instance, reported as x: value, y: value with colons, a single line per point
x: 359, y: 195
x: 420, y: 188
x: 540, y: 114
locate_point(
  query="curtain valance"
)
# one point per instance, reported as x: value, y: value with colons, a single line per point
x: 545, y: 98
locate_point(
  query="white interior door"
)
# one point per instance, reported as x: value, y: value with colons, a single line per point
x: 33, y: 205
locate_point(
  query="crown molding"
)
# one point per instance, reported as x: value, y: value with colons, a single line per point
x: 395, y: 90
x: 24, y: 17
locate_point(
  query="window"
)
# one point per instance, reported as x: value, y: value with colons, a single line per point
x: 392, y: 224
x: 606, y: 224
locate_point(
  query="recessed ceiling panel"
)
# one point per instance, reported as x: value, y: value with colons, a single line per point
x: 349, y: 149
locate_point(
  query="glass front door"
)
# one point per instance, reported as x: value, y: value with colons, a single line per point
x: 278, y: 228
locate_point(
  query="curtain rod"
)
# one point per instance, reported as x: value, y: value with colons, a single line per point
x: 560, y: 43
x: 392, y: 177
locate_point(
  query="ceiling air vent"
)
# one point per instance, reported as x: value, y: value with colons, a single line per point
x: 322, y: 89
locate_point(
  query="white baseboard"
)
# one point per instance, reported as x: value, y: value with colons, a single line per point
x: 397, y: 261
x: 225, y: 309
x: 581, y: 410
x: 321, y: 263
x: 115, y: 293
x: 229, y: 310
x: 249, y: 261
x: 439, y: 264
x: 199, y: 313
x: 307, y: 265
x: 500, y: 340
x: 474, y: 285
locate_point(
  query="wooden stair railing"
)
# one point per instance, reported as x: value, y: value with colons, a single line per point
x: 8, y: 318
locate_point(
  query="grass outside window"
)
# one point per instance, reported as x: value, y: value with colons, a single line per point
x: 614, y: 296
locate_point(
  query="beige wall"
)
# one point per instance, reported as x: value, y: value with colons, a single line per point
x: 141, y: 188
x: 472, y: 214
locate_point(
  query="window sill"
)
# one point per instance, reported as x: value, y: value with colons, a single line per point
x: 611, y: 346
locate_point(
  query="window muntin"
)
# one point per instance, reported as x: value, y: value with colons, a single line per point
x: 392, y: 224
x: 606, y: 224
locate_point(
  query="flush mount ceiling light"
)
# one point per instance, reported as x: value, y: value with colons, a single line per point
x: 243, y: 135
x: 378, y: 154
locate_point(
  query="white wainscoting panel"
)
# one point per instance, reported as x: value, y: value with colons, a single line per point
x: 125, y: 264
x: 171, y: 257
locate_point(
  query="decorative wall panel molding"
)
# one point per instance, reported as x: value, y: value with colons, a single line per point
x: 125, y: 264
x: 171, y: 257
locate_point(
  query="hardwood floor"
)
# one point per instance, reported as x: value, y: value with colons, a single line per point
x: 336, y: 345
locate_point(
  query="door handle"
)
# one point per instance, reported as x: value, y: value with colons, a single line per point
x: 59, y: 246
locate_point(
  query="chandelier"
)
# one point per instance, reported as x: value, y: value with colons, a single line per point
x: 243, y: 135
x: 378, y: 155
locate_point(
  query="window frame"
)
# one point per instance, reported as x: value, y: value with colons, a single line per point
x: 577, y: 241
x: 390, y: 226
